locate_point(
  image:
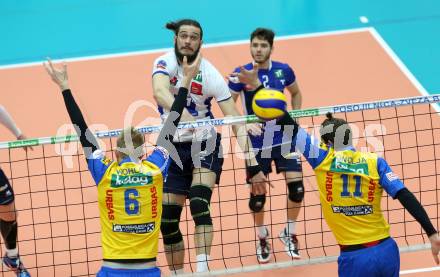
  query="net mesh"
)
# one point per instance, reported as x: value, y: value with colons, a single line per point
x: 59, y: 230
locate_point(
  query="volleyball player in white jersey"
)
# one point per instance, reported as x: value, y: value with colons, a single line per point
x: 197, y: 164
x: 8, y: 214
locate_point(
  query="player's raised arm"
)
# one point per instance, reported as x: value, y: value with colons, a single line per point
x: 8, y: 122
x: 396, y: 189
x: 60, y: 77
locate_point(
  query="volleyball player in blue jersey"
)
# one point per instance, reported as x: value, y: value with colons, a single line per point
x: 278, y: 76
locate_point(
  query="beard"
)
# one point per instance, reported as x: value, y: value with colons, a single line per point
x: 261, y: 60
x: 190, y: 58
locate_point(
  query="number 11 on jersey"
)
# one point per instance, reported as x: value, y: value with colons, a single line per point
x: 347, y: 183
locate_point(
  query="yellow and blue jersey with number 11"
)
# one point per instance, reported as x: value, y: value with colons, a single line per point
x: 350, y: 186
x: 130, y: 203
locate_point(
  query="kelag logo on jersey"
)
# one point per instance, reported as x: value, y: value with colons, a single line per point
x: 347, y: 167
x: 279, y: 74
x: 130, y: 180
x: 196, y: 84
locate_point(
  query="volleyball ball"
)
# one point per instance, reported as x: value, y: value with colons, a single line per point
x: 269, y: 104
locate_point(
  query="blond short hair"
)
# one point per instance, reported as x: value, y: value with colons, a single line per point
x: 134, y: 147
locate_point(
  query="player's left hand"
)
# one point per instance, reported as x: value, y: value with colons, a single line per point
x: 23, y: 137
x: 58, y: 75
x: 248, y: 77
x: 435, y: 247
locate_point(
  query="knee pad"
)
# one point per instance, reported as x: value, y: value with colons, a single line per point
x: 256, y: 202
x: 170, y: 224
x: 199, y: 201
x: 296, y: 191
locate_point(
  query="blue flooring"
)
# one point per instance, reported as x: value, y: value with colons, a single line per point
x: 31, y: 30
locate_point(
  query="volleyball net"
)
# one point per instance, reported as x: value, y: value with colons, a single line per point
x: 56, y: 197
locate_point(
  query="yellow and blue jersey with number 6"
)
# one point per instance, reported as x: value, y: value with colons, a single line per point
x: 130, y: 203
x: 350, y: 186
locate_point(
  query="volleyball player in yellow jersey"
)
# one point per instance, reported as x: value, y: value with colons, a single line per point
x: 129, y: 189
x: 350, y: 185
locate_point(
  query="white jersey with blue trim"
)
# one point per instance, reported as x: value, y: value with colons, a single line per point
x: 207, y: 85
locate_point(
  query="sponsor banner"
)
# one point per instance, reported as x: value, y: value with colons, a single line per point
x: 23, y: 143
x: 304, y: 113
x: 386, y: 104
x: 353, y: 210
x: 143, y: 228
x: 69, y: 138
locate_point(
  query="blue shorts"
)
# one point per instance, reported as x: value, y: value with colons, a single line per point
x: 282, y: 164
x: 6, y: 192
x: 209, y: 156
x: 111, y: 272
x: 382, y: 260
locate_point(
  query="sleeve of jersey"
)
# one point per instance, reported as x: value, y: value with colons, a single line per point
x: 234, y: 84
x: 98, y: 165
x: 161, y: 65
x: 388, y: 179
x: 161, y: 159
x: 310, y: 147
x: 289, y: 76
x: 217, y: 85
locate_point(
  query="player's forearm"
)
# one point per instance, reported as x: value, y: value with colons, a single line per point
x: 165, y: 99
x: 8, y: 122
x: 413, y: 206
x: 296, y: 101
x: 169, y: 128
x: 88, y: 142
x: 245, y: 143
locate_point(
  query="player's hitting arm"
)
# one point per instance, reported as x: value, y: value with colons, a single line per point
x: 178, y: 103
x: 395, y: 188
x: 413, y: 206
x: 161, y: 90
x: 162, y: 95
x: 255, y: 172
x: 234, y: 96
x: 228, y: 108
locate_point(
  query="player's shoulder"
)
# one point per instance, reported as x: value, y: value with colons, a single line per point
x: 207, y: 65
x: 371, y: 156
x: 166, y: 61
x: 280, y: 65
x: 170, y: 55
x: 209, y: 70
